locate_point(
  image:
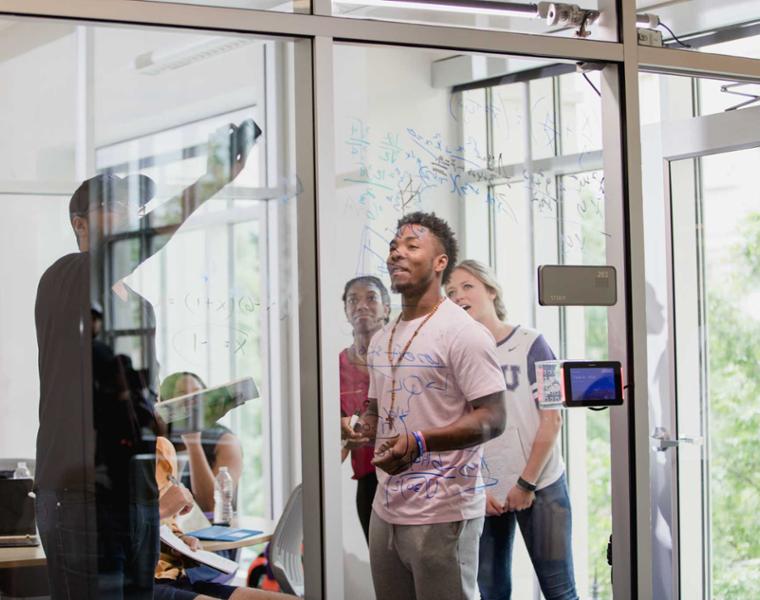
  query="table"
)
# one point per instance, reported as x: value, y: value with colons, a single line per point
x: 23, y: 572
x: 34, y: 556
x: 257, y: 523
x: 29, y: 556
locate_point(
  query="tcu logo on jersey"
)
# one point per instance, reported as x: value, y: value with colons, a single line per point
x: 511, y: 372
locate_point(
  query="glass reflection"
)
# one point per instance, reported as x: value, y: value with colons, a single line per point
x: 367, y: 304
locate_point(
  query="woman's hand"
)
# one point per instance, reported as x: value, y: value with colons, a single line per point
x: 355, y: 436
x: 346, y: 431
x: 493, y: 507
x: 519, y: 499
x: 177, y: 499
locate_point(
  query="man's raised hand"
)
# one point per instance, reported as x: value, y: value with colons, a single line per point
x: 228, y: 150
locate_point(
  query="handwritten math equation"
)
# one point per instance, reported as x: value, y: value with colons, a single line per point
x: 224, y: 323
x: 396, y: 171
x: 433, y: 476
x: 224, y: 306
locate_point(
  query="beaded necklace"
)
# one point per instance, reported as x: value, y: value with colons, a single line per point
x: 389, y: 419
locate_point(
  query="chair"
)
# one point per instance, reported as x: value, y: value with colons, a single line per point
x: 285, y: 546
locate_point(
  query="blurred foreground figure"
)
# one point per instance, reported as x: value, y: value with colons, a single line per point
x: 97, y: 503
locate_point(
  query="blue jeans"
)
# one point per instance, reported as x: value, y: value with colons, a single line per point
x: 96, y: 550
x: 546, y: 528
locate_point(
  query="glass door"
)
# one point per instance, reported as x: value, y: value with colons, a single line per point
x: 703, y: 319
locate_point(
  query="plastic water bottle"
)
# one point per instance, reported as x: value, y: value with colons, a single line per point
x: 223, y: 490
x: 22, y: 471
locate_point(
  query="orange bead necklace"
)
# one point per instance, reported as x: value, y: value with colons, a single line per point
x: 390, y: 418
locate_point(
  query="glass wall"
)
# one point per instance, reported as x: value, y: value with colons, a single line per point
x: 726, y: 232
x: 151, y: 208
x: 703, y: 389
x: 559, y: 195
x: 514, y: 164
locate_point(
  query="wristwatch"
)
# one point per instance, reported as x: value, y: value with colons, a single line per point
x: 526, y: 485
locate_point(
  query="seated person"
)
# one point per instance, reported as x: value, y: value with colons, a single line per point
x: 171, y: 581
x: 208, y: 450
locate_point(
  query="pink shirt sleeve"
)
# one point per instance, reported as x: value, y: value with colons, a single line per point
x: 473, y: 362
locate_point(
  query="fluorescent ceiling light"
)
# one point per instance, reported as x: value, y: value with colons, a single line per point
x: 155, y: 63
x: 560, y: 14
x: 481, y: 7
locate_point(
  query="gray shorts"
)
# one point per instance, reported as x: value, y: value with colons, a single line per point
x: 424, y: 562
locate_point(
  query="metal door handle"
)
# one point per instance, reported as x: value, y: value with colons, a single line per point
x: 696, y: 441
x: 664, y: 441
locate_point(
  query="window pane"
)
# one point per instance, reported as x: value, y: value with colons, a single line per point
x: 491, y: 162
x: 171, y: 156
x: 542, y: 118
x: 731, y: 230
x: 728, y: 27
x: 156, y: 243
x: 701, y: 279
x: 509, y: 122
x: 581, y: 125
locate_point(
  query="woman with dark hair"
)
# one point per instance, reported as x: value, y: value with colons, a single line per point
x: 524, y: 463
x: 367, y: 304
x: 207, y: 450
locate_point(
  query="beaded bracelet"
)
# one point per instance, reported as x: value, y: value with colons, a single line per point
x: 421, y: 446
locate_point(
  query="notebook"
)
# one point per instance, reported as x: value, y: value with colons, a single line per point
x: 202, y: 556
x: 221, y: 533
x: 17, y: 524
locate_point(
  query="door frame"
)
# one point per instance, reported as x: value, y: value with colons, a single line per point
x: 662, y: 145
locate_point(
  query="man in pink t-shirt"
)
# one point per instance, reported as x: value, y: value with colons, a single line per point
x: 435, y: 395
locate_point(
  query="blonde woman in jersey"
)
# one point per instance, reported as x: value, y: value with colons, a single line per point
x: 523, y: 468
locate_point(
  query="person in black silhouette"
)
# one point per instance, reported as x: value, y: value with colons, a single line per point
x: 96, y: 495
